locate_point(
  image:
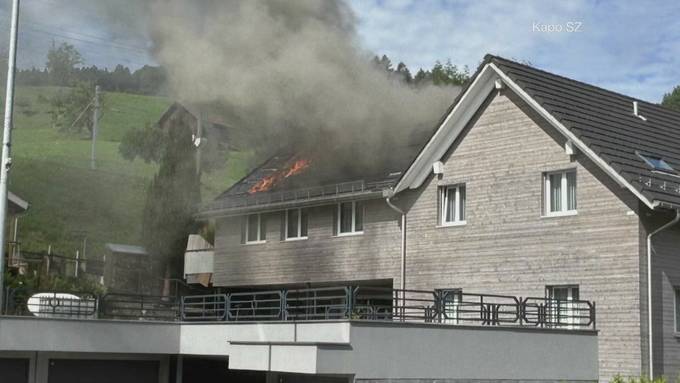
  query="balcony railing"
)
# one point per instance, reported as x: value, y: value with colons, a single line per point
x: 382, y: 304
x: 350, y: 302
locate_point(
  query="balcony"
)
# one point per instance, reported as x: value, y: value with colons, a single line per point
x: 315, y: 304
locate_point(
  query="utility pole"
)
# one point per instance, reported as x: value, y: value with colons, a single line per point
x: 6, y: 142
x: 95, y: 124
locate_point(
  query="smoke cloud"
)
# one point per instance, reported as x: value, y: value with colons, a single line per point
x: 292, y: 72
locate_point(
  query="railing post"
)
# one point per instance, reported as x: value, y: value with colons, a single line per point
x: 283, y: 295
x: 520, y: 310
x: 439, y: 305
x: 349, y: 301
x: 593, y: 314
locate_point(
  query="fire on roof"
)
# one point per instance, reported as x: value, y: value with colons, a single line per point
x: 290, y: 169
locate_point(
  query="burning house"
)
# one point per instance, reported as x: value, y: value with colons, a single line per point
x: 512, y: 243
x: 532, y: 185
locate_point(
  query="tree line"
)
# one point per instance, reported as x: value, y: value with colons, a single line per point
x: 64, y: 67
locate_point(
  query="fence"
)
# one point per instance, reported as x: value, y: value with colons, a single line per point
x: 371, y: 303
x: 349, y: 302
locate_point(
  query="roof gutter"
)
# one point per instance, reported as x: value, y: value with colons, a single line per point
x: 649, y: 289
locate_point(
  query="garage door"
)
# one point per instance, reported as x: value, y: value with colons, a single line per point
x: 13, y: 370
x: 102, y: 371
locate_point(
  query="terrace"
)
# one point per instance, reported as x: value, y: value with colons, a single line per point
x: 353, y: 332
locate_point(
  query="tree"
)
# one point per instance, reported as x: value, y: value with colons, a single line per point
x: 173, y: 195
x: 672, y: 100
x: 404, y: 73
x: 61, y: 64
x: 171, y: 202
x: 71, y: 109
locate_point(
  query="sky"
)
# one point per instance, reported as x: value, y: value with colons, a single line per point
x: 632, y: 47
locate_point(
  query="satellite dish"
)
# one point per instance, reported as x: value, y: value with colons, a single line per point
x: 61, y: 305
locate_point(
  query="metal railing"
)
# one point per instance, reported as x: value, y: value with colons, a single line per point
x: 320, y: 192
x: 327, y: 303
x: 142, y: 307
x: 53, y: 304
x: 384, y: 304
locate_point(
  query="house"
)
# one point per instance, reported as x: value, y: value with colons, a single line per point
x: 533, y: 185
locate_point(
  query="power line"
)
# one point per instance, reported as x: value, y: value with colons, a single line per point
x: 88, y: 41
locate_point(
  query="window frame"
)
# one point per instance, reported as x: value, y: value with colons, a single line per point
x: 460, y: 205
x: 564, y: 193
x: 570, y: 309
x: 299, y: 236
x: 339, y: 232
x: 259, y: 239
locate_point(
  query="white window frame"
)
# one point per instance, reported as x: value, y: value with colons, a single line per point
x: 569, y: 309
x: 299, y: 236
x: 444, y: 204
x: 259, y: 230
x: 451, y: 308
x: 354, y: 220
x: 564, y: 194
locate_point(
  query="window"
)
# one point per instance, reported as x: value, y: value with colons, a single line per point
x: 451, y: 301
x: 254, y: 229
x: 563, y: 310
x: 677, y: 309
x: 657, y: 163
x: 350, y: 218
x: 452, y: 205
x: 296, y: 224
x: 560, y: 193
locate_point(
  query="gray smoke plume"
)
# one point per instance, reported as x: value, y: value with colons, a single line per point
x: 292, y: 72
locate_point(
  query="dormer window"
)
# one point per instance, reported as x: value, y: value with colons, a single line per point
x: 657, y: 163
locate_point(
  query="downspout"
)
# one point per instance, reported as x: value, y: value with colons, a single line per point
x: 402, y: 278
x: 649, y: 289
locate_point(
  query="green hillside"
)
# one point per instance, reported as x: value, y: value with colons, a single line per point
x: 68, y: 200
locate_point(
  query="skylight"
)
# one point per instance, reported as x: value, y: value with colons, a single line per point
x: 657, y: 163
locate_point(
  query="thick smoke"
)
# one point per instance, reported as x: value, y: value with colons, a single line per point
x: 292, y: 72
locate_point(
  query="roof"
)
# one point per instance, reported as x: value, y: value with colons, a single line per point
x: 323, y: 176
x: 599, y: 122
x: 126, y: 249
x: 214, y: 129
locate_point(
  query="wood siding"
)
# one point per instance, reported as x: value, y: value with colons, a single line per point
x: 321, y: 258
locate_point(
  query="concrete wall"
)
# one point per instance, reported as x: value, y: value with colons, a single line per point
x: 365, y: 350
x: 321, y: 258
x: 508, y: 247
x: 88, y: 336
x: 459, y: 353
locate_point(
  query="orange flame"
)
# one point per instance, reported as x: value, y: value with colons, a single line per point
x: 297, y: 167
x: 268, y: 182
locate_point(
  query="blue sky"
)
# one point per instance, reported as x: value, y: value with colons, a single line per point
x: 632, y: 47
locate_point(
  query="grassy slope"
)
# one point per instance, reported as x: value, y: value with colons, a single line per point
x: 51, y: 171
